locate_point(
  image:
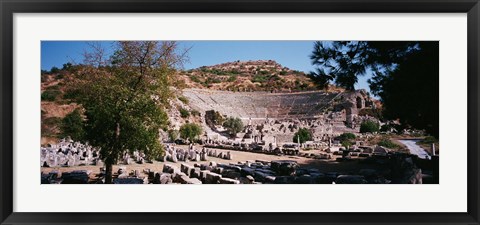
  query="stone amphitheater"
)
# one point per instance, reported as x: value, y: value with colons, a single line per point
x: 326, y: 114
x: 262, y: 105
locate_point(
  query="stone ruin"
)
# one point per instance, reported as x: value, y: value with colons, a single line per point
x: 403, y: 169
x: 273, y: 118
x: 173, y: 154
x: 68, y: 153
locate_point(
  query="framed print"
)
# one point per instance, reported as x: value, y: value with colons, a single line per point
x: 262, y: 112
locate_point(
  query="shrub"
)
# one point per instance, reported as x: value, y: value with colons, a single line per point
x: 184, y: 113
x: 173, y: 135
x: 190, y: 131
x: 233, y: 125
x: 369, y: 127
x: 183, y: 99
x: 232, y: 78
x: 346, y: 136
x: 50, y: 95
x: 54, y: 70
x: 72, y: 125
x: 429, y: 140
x: 303, y: 134
x: 385, y: 142
x: 211, y: 80
x: 213, y: 118
x: 195, y: 79
x: 347, y: 143
x: 259, y: 79
x: 71, y: 94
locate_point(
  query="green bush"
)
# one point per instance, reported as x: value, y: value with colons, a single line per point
x: 72, y: 126
x: 347, y: 143
x: 346, y: 136
x: 369, y: 127
x: 195, y: 79
x: 385, y: 142
x: 54, y: 70
x: 303, y: 134
x: 184, y: 113
x: 173, y: 135
x: 233, y: 125
x: 183, y: 99
x: 347, y: 139
x: 214, y: 118
x: 429, y: 140
x: 190, y: 131
x: 50, y: 95
x: 211, y: 80
x: 259, y: 79
x: 232, y: 78
x: 71, y: 94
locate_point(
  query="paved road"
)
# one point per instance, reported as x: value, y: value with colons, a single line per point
x: 415, y: 149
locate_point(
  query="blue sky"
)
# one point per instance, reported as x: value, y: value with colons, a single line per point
x: 292, y: 54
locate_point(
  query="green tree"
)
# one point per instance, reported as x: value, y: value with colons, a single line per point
x: 73, y: 125
x: 173, y: 135
x: 410, y: 92
x: 54, y: 70
x: 303, y: 134
x: 405, y: 76
x: 233, y: 125
x: 369, y: 127
x: 125, y: 96
x: 190, y: 131
x: 342, y: 62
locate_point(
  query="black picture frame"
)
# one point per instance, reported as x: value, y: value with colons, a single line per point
x: 10, y: 7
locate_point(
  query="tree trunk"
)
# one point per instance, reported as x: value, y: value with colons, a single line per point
x: 108, y: 172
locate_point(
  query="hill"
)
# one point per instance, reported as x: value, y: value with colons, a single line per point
x: 259, y: 75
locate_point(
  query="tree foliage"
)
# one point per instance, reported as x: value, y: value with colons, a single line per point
x: 410, y: 92
x: 303, y: 134
x: 347, y: 139
x: 405, y: 76
x: 124, y: 97
x: 190, y: 131
x: 72, y: 125
x: 233, y: 125
x: 369, y: 127
x: 342, y: 62
x: 173, y: 135
x: 346, y: 136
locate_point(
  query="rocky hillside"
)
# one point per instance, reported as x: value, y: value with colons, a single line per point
x: 259, y: 75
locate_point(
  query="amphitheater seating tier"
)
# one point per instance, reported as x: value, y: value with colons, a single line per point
x: 253, y: 105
